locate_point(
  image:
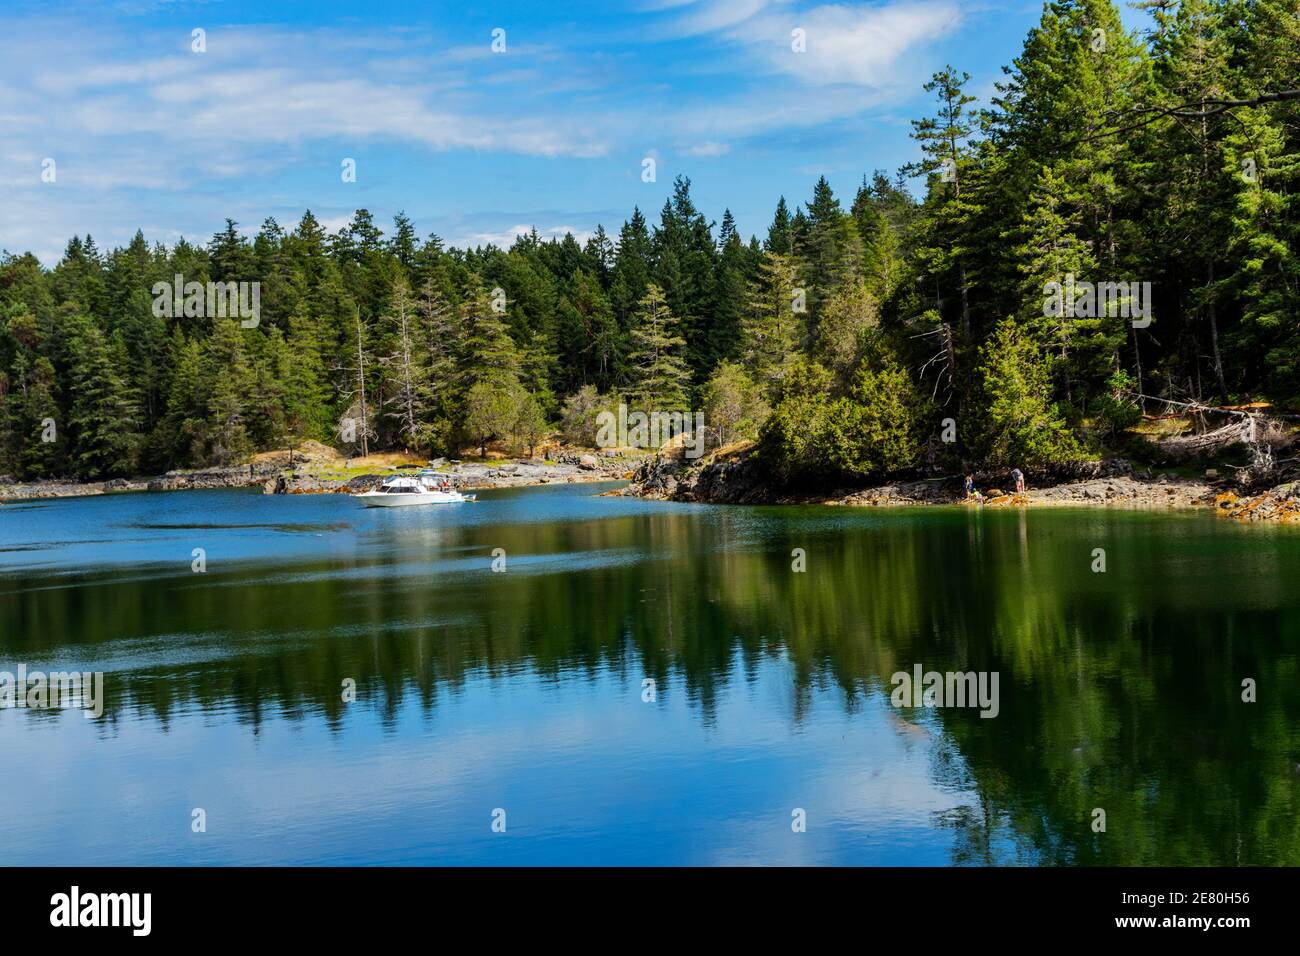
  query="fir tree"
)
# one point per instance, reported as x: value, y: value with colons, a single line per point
x: 660, y: 378
x: 772, y: 327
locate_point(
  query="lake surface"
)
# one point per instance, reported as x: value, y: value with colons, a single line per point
x: 523, y: 691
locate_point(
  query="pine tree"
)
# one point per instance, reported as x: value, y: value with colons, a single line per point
x: 488, y: 351
x: 403, y: 242
x: 632, y: 265
x: 882, y: 251
x: 43, y: 452
x: 831, y: 250
x: 1050, y: 253
x: 772, y: 327
x: 945, y: 163
x: 684, y: 265
x: 227, y: 384
x: 779, y: 239
x: 851, y: 313
x: 103, y: 420
x: 660, y: 378
x: 874, y: 430
x: 1191, y: 194
x: 181, y: 438
x: 306, y: 409
x: 729, y: 292
x: 492, y: 410
x: 444, y: 350
x: 734, y: 405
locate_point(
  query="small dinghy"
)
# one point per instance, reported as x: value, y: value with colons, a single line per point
x: 429, y: 488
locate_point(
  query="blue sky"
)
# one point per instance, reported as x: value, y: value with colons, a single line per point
x: 472, y: 144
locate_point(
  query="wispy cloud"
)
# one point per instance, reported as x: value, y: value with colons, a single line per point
x: 858, y: 44
x: 506, y: 237
x: 707, y: 148
x: 145, y: 131
x: 260, y: 87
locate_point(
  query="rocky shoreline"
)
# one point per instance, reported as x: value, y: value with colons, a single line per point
x: 1280, y: 504
x: 240, y: 476
x: 275, y: 478
x: 735, y: 479
x: 727, y: 480
x: 518, y: 473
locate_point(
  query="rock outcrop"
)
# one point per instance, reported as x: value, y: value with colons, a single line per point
x: 1281, y: 504
x: 739, y: 479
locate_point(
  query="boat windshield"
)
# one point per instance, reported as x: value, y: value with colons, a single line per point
x: 406, y: 487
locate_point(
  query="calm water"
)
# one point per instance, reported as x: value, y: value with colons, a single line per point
x: 523, y: 690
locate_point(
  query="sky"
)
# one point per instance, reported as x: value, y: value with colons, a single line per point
x: 553, y: 131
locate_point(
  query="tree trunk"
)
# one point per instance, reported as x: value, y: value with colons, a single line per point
x: 361, y: 377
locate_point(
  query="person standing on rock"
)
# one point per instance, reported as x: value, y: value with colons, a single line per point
x: 1018, y: 477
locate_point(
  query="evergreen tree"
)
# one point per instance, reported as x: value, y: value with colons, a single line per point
x: 772, y: 327
x: 849, y: 315
x: 874, y: 430
x: 227, y: 381
x: 945, y: 163
x: 660, y: 377
x: 779, y: 236
x: 1021, y: 424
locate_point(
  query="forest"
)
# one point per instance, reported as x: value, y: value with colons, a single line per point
x: 908, y: 327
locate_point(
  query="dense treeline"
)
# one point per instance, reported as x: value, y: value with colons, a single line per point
x: 864, y: 337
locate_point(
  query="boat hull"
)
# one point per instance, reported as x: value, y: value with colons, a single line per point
x: 380, y: 499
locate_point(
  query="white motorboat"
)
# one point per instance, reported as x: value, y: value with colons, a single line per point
x: 428, y: 488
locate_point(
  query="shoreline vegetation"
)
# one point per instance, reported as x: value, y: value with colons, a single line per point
x: 732, y: 475
x: 1099, y: 264
x: 737, y: 475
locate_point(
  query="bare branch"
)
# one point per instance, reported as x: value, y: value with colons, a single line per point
x: 1202, y: 109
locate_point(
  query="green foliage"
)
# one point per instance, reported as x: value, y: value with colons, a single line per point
x: 492, y: 409
x: 848, y: 316
x: 874, y: 429
x: 658, y: 372
x: 1116, y: 410
x: 733, y: 404
x: 870, y: 432
x: 1020, y: 425
x: 789, y: 441
x: 773, y: 326
x: 102, y: 419
x: 529, y: 426
x: 579, y: 417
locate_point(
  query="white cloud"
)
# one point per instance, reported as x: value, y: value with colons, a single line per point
x: 709, y: 16
x: 330, y: 224
x: 853, y: 44
x: 506, y: 237
x: 254, y: 88
x: 706, y: 149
